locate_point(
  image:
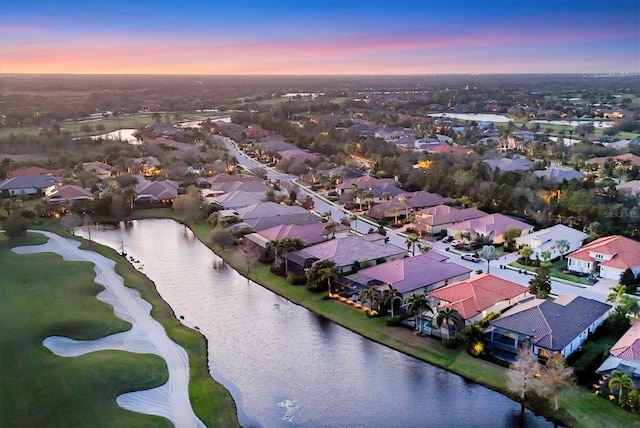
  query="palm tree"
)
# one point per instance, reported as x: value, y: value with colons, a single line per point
x: 390, y: 295
x: 525, y: 253
x: 369, y: 294
x: 617, y: 293
x: 327, y: 274
x: 619, y: 382
x: 283, y: 246
x: 449, y: 316
x: 395, y: 211
x: 358, y: 192
x: 405, y: 203
x: 416, y: 305
x: 330, y: 228
x: 489, y: 253
x: 411, y: 241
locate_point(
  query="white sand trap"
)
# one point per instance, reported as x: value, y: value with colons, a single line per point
x: 146, y: 336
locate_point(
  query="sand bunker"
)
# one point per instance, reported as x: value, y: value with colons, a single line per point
x: 146, y: 336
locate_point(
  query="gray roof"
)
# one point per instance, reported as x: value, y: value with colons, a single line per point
x: 262, y: 223
x: 346, y: 251
x: 559, y: 174
x: 552, y: 324
x: 42, y: 181
x: 269, y: 209
x: 506, y: 164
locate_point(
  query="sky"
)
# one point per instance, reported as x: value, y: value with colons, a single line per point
x: 319, y: 37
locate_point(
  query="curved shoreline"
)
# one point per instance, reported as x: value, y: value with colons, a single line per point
x: 147, y: 335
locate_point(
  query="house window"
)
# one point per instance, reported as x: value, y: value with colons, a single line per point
x: 543, y: 354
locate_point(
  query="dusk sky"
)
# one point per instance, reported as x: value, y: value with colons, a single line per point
x: 319, y: 37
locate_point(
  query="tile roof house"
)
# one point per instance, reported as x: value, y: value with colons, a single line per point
x: 477, y: 297
x: 546, y: 239
x: 560, y: 174
x: 237, y: 199
x: 102, y: 170
x: 74, y: 197
x: 415, y: 201
x: 32, y: 171
x: 264, y: 215
x: 633, y: 187
x: 627, y: 159
x: 422, y: 273
x: 546, y: 326
x: 28, y: 184
x: 624, y: 356
x: 262, y: 223
x: 492, y: 225
x: 607, y: 257
x: 345, y: 252
x: 506, y: 164
x: 436, y: 219
x: 156, y: 193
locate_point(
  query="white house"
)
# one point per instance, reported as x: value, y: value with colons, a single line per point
x: 547, y: 240
x: 607, y: 257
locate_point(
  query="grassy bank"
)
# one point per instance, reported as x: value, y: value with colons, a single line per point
x: 104, y: 374
x: 579, y: 407
x: 42, y: 389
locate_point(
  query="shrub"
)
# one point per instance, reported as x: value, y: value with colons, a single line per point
x: 450, y: 343
x: 393, y: 321
x: 296, y: 279
x: 587, y: 362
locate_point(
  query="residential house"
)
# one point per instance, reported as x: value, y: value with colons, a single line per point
x: 414, y: 201
x: 606, y: 257
x: 69, y: 197
x: 624, y: 356
x: 626, y: 160
x: 310, y: 234
x: 33, y: 171
x: 418, y: 274
x: 147, y: 166
x: 101, y: 169
x: 477, y: 297
x: 236, y: 199
x: 348, y: 253
x: 560, y: 174
x: 506, y: 164
x: 28, y: 184
x: 492, y: 226
x: 264, y: 215
x: 633, y: 187
x: 156, y: 193
x: 545, y: 326
x: 377, y: 187
x: 547, y: 239
x: 434, y: 220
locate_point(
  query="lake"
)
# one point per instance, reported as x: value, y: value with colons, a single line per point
x: 288, y: 367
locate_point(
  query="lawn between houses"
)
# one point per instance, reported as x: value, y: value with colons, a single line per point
x: 42, y: 389
x: 578, y: 407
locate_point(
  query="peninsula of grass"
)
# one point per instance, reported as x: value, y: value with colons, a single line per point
x: 40, y: 388
x: 58, y: 298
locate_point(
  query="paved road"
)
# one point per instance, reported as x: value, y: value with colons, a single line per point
x: 599, y: 291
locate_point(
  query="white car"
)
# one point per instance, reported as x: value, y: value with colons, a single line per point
x: 455, y: 243
x: 471, y: 258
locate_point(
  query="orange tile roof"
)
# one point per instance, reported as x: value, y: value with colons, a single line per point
x: 470, y: 297
x: 628, y: 347
x: 625, y: 252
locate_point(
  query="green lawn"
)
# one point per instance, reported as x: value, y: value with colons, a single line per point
x: 42, y: 389
x: 556, y: 271
x: 59, y: 298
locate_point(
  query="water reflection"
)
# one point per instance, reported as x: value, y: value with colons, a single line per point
x: 286, y: 366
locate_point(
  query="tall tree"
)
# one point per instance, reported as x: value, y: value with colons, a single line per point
x: 521, y: 376
x: 540, y: 285
x: 390, y: 295
x: 417, y: 304
x: 556, y: 376
x: 562, y: 245
x: 411, y: 241
x: 489, y: 253
x: 370, y: 294
x: 450, y: 317
x: 327, y: 274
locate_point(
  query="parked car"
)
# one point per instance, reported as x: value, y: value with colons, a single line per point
x: 471, y: 257
x: 455, y: 243
x: 446, y: 239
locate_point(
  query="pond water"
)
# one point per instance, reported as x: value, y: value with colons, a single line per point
x: 478, y: 117
x: 288, y: 367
